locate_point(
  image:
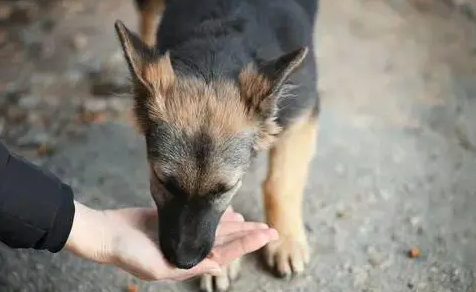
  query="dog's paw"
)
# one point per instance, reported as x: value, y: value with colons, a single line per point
x: 222, y: 282
x: 288, y: 256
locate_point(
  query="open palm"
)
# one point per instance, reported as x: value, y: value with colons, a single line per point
x: 134, y: 247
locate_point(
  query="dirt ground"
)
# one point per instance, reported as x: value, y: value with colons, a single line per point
x: 396, y: 159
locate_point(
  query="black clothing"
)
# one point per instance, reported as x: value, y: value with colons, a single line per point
x: 36, y: 207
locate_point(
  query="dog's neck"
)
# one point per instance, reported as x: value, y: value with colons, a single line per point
x: 209, y: 46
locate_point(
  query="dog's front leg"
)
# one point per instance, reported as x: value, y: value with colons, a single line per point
x: 283, y: 194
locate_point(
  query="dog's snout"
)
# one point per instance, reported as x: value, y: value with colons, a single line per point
x: 185, y: 254
x: 187, y: 232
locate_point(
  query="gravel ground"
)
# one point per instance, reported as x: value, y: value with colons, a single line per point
x: 395, y: 166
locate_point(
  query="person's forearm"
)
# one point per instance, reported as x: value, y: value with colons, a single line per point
x: 87, y: 238
x: 36, y: 208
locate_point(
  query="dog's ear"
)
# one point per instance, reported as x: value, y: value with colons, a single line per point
x: 151, y: 74
x: 136, y: 53
x: 261, y: 87
x: 152, y: 71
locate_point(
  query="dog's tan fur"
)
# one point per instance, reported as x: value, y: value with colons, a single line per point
x: 179, y: 105
x: 149, y: 19
x: 283, y: 195
x: 253, y: 86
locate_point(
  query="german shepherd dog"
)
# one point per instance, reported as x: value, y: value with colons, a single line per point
x: 215, y: 82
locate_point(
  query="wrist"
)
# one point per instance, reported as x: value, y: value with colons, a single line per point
x: 89, y: 236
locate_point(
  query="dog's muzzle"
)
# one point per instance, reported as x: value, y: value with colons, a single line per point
x: 187, y: 231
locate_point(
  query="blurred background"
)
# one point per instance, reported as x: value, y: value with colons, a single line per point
x: 391, y: 200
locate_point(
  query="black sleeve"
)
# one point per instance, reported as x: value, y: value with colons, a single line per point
x: 36, y: 208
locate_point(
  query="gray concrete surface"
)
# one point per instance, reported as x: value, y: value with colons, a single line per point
x: 396, y: 166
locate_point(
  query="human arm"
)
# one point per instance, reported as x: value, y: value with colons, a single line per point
x: 36, y: 208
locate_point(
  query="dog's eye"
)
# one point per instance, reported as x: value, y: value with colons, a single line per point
x: 162, y: 181
x: 172, y: 186
x: 158, y: 177
x: 224, y: 188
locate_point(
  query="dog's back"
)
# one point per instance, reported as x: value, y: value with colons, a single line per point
x: 216, y: 38
x: 268, y: 28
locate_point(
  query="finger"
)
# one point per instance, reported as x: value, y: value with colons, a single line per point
x: 232, y: 236
x: 229, y: 227
x: 245, y: 230
x: 207, y: 266
x: 224, y: 254
x: 231, y: 216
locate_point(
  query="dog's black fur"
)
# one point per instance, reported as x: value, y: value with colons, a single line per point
x: 217, y: 38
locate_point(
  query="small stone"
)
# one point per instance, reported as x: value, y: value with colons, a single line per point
x: 347, y: 267
x: 360, y: 277
x: 79, y: 41
x: 364, y: 230
x: 29, y: 102
x: 386, y: 195
x: 45, y: 150
x: 376, y: 257
x: 94, y: 105
x: 133, y: 288
x: 419, y: 230
x: 36, y: 120
x: 340, y: 214
x: 42, y: 80
x: 455, y: 272
x: 73, y: 76
x: 422, y: 286
x: 34, y: 138
x: 308, y: 228
x: 16, y: 114
x: 415, y: 221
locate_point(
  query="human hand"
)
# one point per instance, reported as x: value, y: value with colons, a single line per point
x: 128, y: 239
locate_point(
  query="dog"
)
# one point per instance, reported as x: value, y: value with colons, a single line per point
x: 215, y: 83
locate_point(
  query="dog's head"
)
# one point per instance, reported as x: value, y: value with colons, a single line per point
x: 200, y: 139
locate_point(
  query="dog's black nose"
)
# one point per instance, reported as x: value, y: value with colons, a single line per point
x: 184, y: 255
x: 185, y: 245
x: 187, y: 231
